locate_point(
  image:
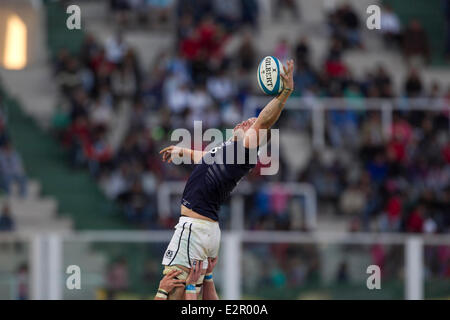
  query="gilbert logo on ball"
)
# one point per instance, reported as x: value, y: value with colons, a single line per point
x: 268, y: 75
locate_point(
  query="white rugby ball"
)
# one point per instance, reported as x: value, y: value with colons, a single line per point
x: 268, y: 75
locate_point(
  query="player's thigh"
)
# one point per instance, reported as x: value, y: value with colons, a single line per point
x: 213, y: 250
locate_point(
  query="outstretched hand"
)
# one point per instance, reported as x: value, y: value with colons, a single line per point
x: 288, y: 76
x: 169, y: 152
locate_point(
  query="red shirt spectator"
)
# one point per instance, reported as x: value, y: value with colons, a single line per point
x: 98, y: 151
x: 79, y: 131
x: 207, y: 33
x: 415, y: 221
x: 397, y: 150
x: 394, y: 208
x: 446, y: 153
x: 402, y: 130
x: 335, y: 68
x: 191, y: 46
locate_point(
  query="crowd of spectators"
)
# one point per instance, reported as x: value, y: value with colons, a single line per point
x: 374, y: 177
x: 231, y: 14
x: 296, y: 271
x: 190, y: 84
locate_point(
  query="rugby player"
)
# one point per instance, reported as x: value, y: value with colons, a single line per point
x: 197, y: 234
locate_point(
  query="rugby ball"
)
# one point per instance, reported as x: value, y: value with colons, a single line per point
x: 268, y: 75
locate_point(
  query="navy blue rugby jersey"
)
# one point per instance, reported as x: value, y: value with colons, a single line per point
x: 214, y: 178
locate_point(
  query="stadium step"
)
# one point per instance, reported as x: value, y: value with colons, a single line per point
x: 328, y: 223
x: 34, y: 212
x: 36, y: 89
x: 62, y: 224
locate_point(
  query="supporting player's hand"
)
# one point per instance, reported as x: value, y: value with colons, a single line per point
x: 168, y: 283
x: 196, y: 271
x: 288, y: 76
x: 211, y: 264
x: 171, y: 151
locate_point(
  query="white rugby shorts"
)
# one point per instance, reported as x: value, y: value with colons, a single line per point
x: 194, y: 239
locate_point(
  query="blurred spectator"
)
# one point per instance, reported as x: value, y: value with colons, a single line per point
x: 250, y: 12
x: 221, y: 87
x: 382, y: 80
x: 415, y: 222
x: 391, y: 220
x: 6, y: 220
x: 282, y: 50
x: 334, y: 66
x: 302, y: 51
x: 279, y: 198
x: 415, y: 42
x: 289, y: 5
x: 22, y: 282
x: 352, y: 200
x: 12, y: 170
x: 304, y: 78
x: 246, y: 54
x: 413, y: 84
x: 97, y: 152
x: 390, y: 27
x: 69, y: 76
x: 116, y: 48
x: 342, y: 273
x: 4, y: 137
x: 228, y: 13
x: 344, y: 25
x: 101, y: 114
x: 117, y: 278
x: 159, y: 10
x: 137, y: 205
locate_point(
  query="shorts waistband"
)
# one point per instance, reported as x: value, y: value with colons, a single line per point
x: 190, y: 219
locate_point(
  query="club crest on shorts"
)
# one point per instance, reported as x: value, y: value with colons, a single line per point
x: 169, y: 254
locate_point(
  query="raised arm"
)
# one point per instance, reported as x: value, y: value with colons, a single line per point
x: 191, y: 281
x: 209, y: 289
x: 174, y: 151
x: 271, y: 112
